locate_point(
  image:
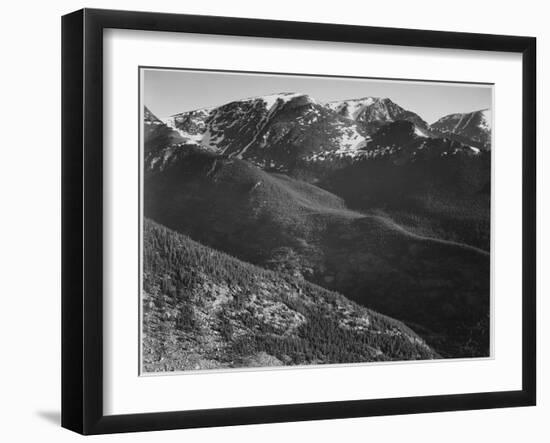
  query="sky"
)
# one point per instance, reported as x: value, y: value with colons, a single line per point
x: 167, y: 92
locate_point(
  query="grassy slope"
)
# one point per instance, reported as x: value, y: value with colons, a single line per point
x: 205, y: 309
x: 439, y: 287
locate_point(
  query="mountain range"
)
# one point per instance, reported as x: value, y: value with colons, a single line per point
x: 297, y: 128
x: 360, y: 198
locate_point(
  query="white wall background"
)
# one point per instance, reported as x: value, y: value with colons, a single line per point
x: 30, y: 222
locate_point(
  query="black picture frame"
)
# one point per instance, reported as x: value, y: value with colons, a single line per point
x: 82, y: 219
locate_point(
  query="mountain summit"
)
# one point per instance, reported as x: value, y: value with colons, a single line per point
x: 471, y: 127
x: 374, y: 112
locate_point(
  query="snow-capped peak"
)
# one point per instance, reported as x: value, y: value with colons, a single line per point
x: 283, y: 97
x: 353, y: 108
x: 474, y: 126
x: 171, y: 120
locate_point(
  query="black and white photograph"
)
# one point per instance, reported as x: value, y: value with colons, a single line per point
x: 295, y: 220
x: 291, y: 221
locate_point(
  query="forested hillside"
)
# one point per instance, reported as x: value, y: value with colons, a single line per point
x: 205, y: 309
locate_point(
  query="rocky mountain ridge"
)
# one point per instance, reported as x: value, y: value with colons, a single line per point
x: 471, y: 127
x: 287, y: 131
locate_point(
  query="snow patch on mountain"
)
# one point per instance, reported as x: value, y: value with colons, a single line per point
x: 351, y: 141
x: 277, y: 131
x: 210, y: 141
x: 471, y: 127
x: 352, y: 108
x: 419, y: 132
x: 272, y: 99
x: 373, y: 112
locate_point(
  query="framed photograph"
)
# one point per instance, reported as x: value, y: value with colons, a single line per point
x: 273, y: 221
